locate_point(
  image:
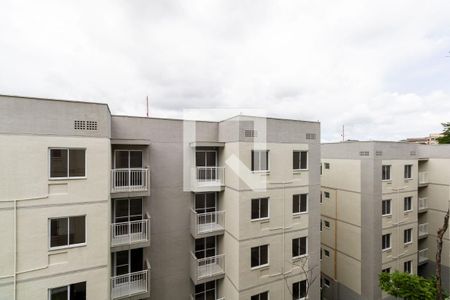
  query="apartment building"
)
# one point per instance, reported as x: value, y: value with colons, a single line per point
x: 381, y: 206
x: 99, y: 206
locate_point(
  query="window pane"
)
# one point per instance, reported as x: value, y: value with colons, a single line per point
x: 58, y: 163
x: 121, y: 160
x: 211, y: 159
x: 304, y: 203
x: 58, y: 232
x: 59, y: 293
x: 264, y: 208
x: 265, y: 160
x: 295, y: 204
x: 137, y: 259
x: 121, y: 209
x: 77, y: 230
x: 264, y: 296
x: 78, y: 291
x: 135, y: 159
x: 302, y: 288
x: 303, y: 249
x: 295, y: 247
x: 264, y: 255
x: 255, y: 257
x: 303, y: 160
x: 255, y: 208
x: 295, y: 290
x: 200, y: 159
x: 77, y: 163
x: 136, y: 206
x: 296, y: 160
x: 211, y: 200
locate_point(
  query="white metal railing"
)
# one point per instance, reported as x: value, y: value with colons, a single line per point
x: 202, y: 223
x: 423, y: 255
x: 193, y: 298
x: 129, y: 284
x: 124, y: 233
x: 423, y: 204
x: 423, y: 229
x: 209, y: 175
x: 129, y: 180
x: 207, y: 267
x: 423, y: 177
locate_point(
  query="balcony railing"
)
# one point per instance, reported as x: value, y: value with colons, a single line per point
x: 126, y: 233
x: 423, y: 230
x: 202, y: 297
x: 205, y: 223
x: 423, y: 256
x: 129, y: 180
x: 423, y: 204
x: 129, y: 284
x: 208, y: 176
x: 423, y: 178
x: 204, y: 268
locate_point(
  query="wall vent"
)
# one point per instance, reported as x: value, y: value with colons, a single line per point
x: 379, y: 153
x: 412, y: 153
x: 310, y: 136
x: 84, y: 125
x: 250, y: 133
x: 364, y: 153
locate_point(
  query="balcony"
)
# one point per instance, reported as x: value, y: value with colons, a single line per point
x: 202, y: 297
x: 131, y: 284
x: 130, y: 180
x: 129, y: 233
x: 207, y: 224
x: 423, y: 204
x: 207, y: 179
x: 423, y: 230
x: 208, y: 268
x: 423, y: 256
x: 423, y: 178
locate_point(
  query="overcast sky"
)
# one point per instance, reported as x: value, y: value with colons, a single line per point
x: 379, y: 67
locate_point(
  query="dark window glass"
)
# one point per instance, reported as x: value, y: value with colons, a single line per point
x: 261, y: 296
x: 259, y: 255
x: 386, y: 207
x: 299, y: 246
x: 255, y: 208
x: 299, y: 290
x: 77, y: 230
x: 58, y: 163
x: 386, y: 172
x: 255, y: 257
x: 78, y: 291
x: 59, y: 293
x: 260, y: 208
x: 299, y: 203
x: 58, y: 232
x: 260, y: 160
x: 300, y: 160
x: 135, y: 159
x: 77, y: 163
x: 137, y: 258
x: 303, y: 160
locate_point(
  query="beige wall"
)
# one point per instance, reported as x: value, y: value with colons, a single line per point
x: 24, y: 174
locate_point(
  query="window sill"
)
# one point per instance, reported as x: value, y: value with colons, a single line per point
x: 387, y: 250
x: 66, y: 178
x: 261, y: 267
x: 299, y: 214
x: 262, y: 172
x: 67, y: 247
x: 387, y: 216
x: 407, y: 244
x: 388, y: 181
x: 295, y: 258
x: 406, y: 212
x: 261, y: 220
x: 299, y: 171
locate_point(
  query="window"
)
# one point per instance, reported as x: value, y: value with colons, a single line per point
x: 76, y: 291
x: 326, y: 282
x: 300, y: 160
x: 205, y: 291
x: 327, y: 165
x: 327, y: 224
x: 386, y: 241
x: 299, y: 203
x: 407, y: 266
x: 407, y: 236
x: 261, y: 296
x: 67, y: 163
x: 299, y: 290
x: 321, y: 253
x: 260, y: 208
x: 386, y: 172
x: 320, y: 198
x: 67, y: 231
x: 299, y: 247
x: 386, y: 270
x: 386, y: 207
x: 407, y: 204
x: 326, y: 252
x: 408, y: 172
x: 320, y: 225
x: 327, y: 194
x: 260, y: 256
x: 260, y: 160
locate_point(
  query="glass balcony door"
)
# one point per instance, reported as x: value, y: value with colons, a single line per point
x: 128, y: 261
x: 125, y: 212
x: 132, y: 161
x: 205, y: 203
x: 206, y: 163
x: 205, y: 247
x: 206, y: 291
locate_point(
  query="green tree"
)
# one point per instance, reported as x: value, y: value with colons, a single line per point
x: 445, y: 138
x: 407, y: 286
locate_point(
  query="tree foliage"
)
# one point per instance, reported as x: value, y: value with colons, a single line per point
x: 445, y: 138
x: 407, y: 286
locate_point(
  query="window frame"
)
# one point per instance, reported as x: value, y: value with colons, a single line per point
x: 259, y: 295
x: 68, y: 177
x: 306, y: 247
x: 252, y: 158
x: 390, y: 207
x: 299, y: 212
x: 300, y: 152
x: 405, y: 235
x: 326, y: 165
x: 409, y: 263
x: 389, y: 242
x: 259, y: 208
x: 382, y: 173
x: 306, y: 289
x: 259, y: 257
x: 410, y: 204
x: 68, y: 246
x: 68, y: 289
